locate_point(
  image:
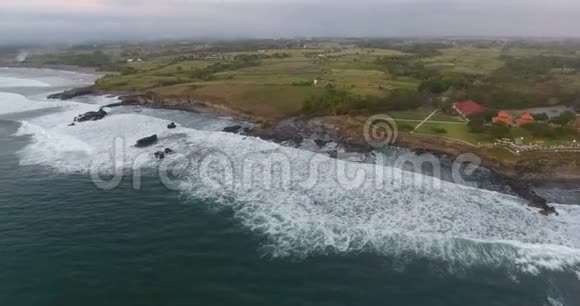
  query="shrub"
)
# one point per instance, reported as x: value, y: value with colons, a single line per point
x: 168, y: 82
x: 405, y: 127
x: 541, y: 117
x: 539, y: 129
x: 564, y: 118
x: 438, y: 130
x: 344, y: 102
x: 499, y: 130
x: 302, y: 83
x: 127, y: 70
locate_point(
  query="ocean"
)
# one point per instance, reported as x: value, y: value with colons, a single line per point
x: 87, y: 218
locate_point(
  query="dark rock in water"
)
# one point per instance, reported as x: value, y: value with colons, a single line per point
x: 549, y: 211
x: 237, y: 129
x: 159, y: 155
x: 232, y: 129
x: 72, y: 124
x: 92, y: 116
x: 321, y: 143
x: 526, y: 192
x: 172, y: 125
x: 279, y: 135
x: 147, y: 141
x: 77, y: 92
x: 356, y: 148
x: 113, y: 105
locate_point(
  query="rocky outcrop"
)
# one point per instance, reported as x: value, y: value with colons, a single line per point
x: 524, y: 168
x: 280, y: 135
x: 147, y: 141
x: 529, y: 166
x: 237, y: 129
x: 73, y: 93
x: 526, y: 192
x: 172, y: 125
x: 232, y: 129
x: 328, y: 132
x: 161, y: 154
x: 146, y: 99
x: 91, y: 116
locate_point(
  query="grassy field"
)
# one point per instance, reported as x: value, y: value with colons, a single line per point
x: 456, y: 131
x: 276, y: 87
x: 461, y: 132
x: 278, y: 83
x: 421, y: 114
x: 467, y: 60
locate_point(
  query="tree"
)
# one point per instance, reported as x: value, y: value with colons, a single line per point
x: 476, y: 125
x: 499, y: 130
x: 487, y: 115
x: 438, y: 130
x: 539, y: 129
x: 541, y: 117
x: 127, y: 70
x: 564, y: 118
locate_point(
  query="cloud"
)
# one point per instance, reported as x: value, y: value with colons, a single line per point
x: 74, y: 20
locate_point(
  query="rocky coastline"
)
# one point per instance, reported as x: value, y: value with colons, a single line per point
x: 517, y: 175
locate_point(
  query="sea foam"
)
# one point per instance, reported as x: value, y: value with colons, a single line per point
x: 7, y: 82
x: 15, y: 103
x: 457, y: 224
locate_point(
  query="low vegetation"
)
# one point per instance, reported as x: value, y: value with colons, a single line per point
x: 407, y: 79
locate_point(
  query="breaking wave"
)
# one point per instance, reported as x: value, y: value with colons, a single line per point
x: 453, y: 223
x: 7, y: 82
x: 15, y: 103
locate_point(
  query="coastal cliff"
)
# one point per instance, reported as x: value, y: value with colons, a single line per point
x: 528, y: 166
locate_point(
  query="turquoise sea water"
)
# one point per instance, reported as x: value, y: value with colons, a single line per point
x: 64, y: 241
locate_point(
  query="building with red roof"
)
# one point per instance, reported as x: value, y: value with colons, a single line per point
x: 576, y: 124
x: 468, y: 108
x: 525, y: 119
x: 503, y: 117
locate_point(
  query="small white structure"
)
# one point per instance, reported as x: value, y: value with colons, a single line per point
x: 315, y: 82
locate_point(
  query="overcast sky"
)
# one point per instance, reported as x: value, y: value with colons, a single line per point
x: 82, y: 20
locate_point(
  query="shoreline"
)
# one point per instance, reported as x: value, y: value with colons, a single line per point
x: 330, y: 129
x: 67, y: 68
x: 529, y: 168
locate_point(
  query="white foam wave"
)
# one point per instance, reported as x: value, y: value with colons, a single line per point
x: 555, y: 301
x: 41, y: 77
x: 7, y: 82
x: 15, y: 103
x: 453, y: 223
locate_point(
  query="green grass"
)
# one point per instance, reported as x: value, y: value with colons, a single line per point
x: 180, y: 68
x: 409, y: 115
x: 518, y: 132
x: 422, y: 114
x: 455, y: 131
x: 468, y: 60
x: 273, y: 83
